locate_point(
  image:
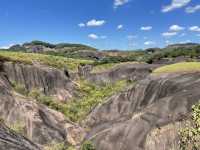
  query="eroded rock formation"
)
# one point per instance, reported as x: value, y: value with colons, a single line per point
x: 40, y: 124
x: 50, y: 81
x: 126, y: 120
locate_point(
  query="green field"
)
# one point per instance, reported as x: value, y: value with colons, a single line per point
x: 179, y: 67
x: 49, y: 60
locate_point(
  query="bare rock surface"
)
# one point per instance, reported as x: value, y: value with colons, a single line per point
x: 51, y: 81
x: 40, y: 124
x: 125, y: 71
x: 9, y: 140
x: 126, y: 119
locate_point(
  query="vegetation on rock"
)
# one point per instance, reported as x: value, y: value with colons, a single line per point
x: 49, y: 60
x: 179, y: 67
x: 190, y: 135
x: 87, y: 145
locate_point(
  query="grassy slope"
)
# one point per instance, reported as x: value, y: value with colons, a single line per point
x: 54, y: 61
x: 77, y: 109
x: 179, y: 67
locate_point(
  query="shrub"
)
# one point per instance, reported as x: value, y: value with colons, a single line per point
x: 56, y: 146
x: 190, y: 135
x: 87, y: 145
x: 18, y: 127
x: 19, y: 88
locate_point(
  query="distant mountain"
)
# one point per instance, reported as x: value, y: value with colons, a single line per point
x: 185, y: 45
x: 40, y: 46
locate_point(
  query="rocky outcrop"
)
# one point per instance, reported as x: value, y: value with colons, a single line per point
x: 127, y: 120
x: 9, y: 140
x: 40, y: 124
x: 129, y: 71
x: 48, y: 80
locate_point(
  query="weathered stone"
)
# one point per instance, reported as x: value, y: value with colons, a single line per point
x: 125, y: 120
x: 51, y: 81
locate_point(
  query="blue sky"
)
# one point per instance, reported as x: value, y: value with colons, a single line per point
x: 105, y: 24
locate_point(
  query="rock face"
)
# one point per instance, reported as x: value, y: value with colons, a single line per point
x: 127, y: 120
x: 40, y: 124
x: 48, y: 80
x: 12, y: 141
x: 131, y: 72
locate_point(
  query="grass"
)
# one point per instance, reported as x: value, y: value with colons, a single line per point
x: 90, y: 96
x: 49, y: 60
x: 190, y: 135
x: 179, y: 67
x: 108, y: 66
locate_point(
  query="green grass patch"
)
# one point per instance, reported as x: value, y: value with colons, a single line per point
x: 49, y: 60
x: 190, y: 135
x: 90, y: 96
x: 179, y: 67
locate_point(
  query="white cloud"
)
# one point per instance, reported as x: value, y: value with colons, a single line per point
x: 132, y: 37
x: 81, y: 25
x: 149, y: 43
x: 192, y: 9
x: 176, y: 28
x: 182, y: 34
x: 195, y: 28
x: 167, y: 42
x: 6, y: 46
x: 119, y: 27
x: 94, y: 22
x: 118, y: 3
x: 93, y: 36
x: 169, y: 34
x: 147, y: 28
x: 175, y: 4
x: 103, y: 37
x: 187, y: 41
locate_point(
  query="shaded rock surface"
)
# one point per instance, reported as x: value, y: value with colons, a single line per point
x: 125, y: 120
x: 131, y: 72
x: 50, y: 81
x: 40, y: 124
x: 12, y: 141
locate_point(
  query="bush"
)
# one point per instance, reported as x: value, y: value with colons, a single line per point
x: 18, y: 127
x: 56, y: 146
x: 87, y: 145
x: 19, y: 88
x: 190, y: 135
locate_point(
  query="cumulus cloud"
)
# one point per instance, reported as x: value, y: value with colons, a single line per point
x: 149, y: 43
x: 132, y: 37
x: 176, y: 28
x: 195, y: 28
x: 94, y: 22
x: 93, y: 36
x: 193, y: 9
x: 6, y: 46
x: 119, y: 27
x: 103, y: 37
x: 81, y: 25
x: 169, y: 34
x: 175, y: 4
x: 118, y: 3
x: 187, y: 41
x: 147, y: 28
